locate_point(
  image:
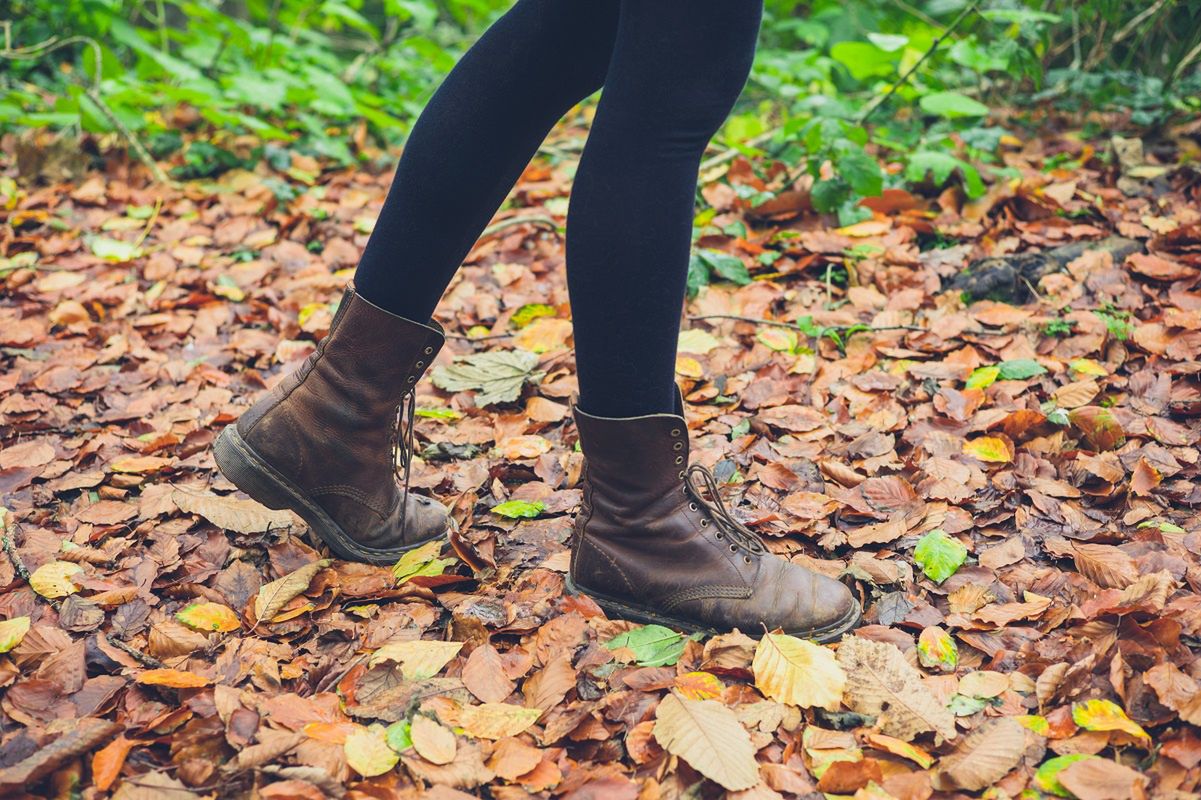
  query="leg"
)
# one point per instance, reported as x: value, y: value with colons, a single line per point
x: 474, y: 138
x: 677, y: 68
x: 653, y: 541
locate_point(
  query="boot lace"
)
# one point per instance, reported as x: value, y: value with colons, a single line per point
x: 740, y: 536
x: 402, y: 451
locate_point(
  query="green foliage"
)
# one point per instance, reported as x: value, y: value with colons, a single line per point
x: 1059, y: 327
x: 939, y: 555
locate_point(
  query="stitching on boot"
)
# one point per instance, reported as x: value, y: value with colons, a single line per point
x: 705, y: 593
x: 613, y: 564
x: 352, y: 493
x: 584, y: 517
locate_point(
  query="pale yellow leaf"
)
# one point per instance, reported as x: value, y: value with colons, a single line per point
x: 880, y: 682
x: 277, y: 594
x: 431, y: 741
x: 496, y: 720
x: 367, y: 751
x: 54, y: 579
x: 708, y: 736
x: 231, y: 513
x: 419, y: 659
x: 797, y: 672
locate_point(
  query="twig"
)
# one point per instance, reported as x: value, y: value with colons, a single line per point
x: 467, y: 338
x: 732, y: 153
x: 870, y: 108
x: 92, y: 91
x: 143, y: 658
x: 538, y: 220
x: 1139, y: 19
x: 15, y: 558
x: 778, y: 324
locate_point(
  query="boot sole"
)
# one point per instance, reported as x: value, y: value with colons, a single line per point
x: 620, y: 610
x: 251, y: 473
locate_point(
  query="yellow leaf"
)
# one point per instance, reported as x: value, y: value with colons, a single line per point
x: 901, y: 748
x: 1034, y: 722
x: 367, y: 751
x: 432, y: 742
x: 699, y: 686
x: 689, y: 367
x: 881, y: 682
x: 173, y: 678
x: 793, y: 671
x: 709, y: 737
x: 209, y: 617
x: 1087, y: 366
x: 54, y: 579
x: 140, y: 465
x: 1106, y: 715
x: 12, y: 631
x: 277, y: 594
x: 330, y: 732
x: 869, y: 227
x: 990, y: 448
x: 544, y: 335
x: 419, y: 659
x: 496, y: 720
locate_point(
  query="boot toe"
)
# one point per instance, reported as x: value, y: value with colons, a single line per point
x: 826, y: 611
x: 426, y: 519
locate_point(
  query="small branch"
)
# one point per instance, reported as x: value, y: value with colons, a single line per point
x: 732, y: 153
x: 537, y: 220
x: 778, y: 324
x: 15, y: 558
x: 489, y: 337
x: 871, y: 107
x: 149, y: 661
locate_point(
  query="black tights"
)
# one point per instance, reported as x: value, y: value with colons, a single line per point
x: 671, y: 71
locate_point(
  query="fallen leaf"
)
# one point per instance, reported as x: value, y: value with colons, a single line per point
x: 797, y: 672
x: 273, y: 596
x: 367, y: 751
x: 231, y: 513
x: 207, y: 616
x: 496, y: 720
x: 707, y: 735
x: 880, y: 682
x: 432, y: 742
x: 53, y: 579
x: 173, y: 678
x: 418, y: 659
x: 984, y: 756
x: 1105, y: 715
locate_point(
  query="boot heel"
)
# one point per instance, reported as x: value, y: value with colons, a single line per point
x: 244, y: 470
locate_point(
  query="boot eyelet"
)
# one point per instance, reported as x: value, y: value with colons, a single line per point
x: 679, y: 459
x: 429, y: 350
x: 412, y: 379
x: 681, y: 474
x: 692, y: 506
x: 420, y: 364
x: 733, y: 548
x: 705, y: 524
x: 747, y: 559
x: 719, y: 535
x: 675, y: 432
x: 678, y: 446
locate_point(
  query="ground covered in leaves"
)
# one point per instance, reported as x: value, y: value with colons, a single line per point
x: 1011, y: 487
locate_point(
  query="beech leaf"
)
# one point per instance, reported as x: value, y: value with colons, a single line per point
x: 708, y: 736
x: 275, y: 595
x: 791, y: 670
x: 880, y: 682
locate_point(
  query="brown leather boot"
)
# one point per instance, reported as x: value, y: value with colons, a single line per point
x: 324, y: 442
x: 648, y: 547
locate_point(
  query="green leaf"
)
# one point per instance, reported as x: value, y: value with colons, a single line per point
x: 828, y: 195
x: 729, y: 267
x: 652, y: 645
x: 519, y: 509
x: 952, y: 105
x: 114, y: 250
x: 496, y: 376
x: 528, y: 313
x: 964, y: 706
x: 983, y: 377
x: 937, y: 649
x: 422, y: 561
x: 859, y: 169
x: 1019, y: 369
x: 399, y: 735
x: 888, y: 42
x: 864, y: 60
x: 940, y: 166
x: 939, y: 555
x: 1047, y: 776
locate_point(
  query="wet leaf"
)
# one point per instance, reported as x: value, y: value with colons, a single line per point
x: 209, y: 616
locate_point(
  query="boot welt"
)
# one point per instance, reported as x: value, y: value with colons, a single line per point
x: 252, y: 474
x: 623, y: 610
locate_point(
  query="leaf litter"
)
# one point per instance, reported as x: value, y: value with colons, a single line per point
x: 1009, y: 482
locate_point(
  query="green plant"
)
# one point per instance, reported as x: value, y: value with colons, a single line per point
x: 1116, y: 321
x: 1059, y: 327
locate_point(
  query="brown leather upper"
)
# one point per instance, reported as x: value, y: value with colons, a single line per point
x: 645, y: 537
x: 329, y: 427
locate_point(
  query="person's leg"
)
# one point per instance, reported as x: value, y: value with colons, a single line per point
x: 653, y: 542
x: 677, y: 68
x: 474, y: 138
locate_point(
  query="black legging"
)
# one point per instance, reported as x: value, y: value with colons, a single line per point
x: 671, y: 71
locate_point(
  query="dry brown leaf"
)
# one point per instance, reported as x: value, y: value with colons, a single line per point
x: 707, y: 735
x: 1102, y: 779
x: 1105, y: 565
x: 984, y: 756
x: 1177, y: 690
x: 231, y: 513
x: 277, y: 594
x: 484, y: 676
x: 432, y: 742
x: 882, y: 683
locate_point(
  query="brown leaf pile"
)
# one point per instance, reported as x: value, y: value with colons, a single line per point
x: 160, y: 638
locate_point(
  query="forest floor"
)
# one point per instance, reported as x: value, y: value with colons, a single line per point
x: 1010, y: 487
